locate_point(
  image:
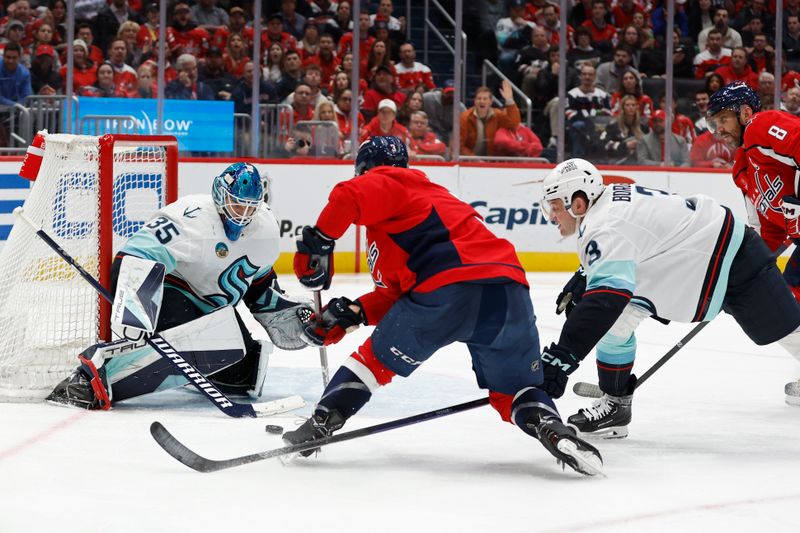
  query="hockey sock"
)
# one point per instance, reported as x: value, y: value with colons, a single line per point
x: 531, y: 406
x: 345, y: 393
x: 614, y: 379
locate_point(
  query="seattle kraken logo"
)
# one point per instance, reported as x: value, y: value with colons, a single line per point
x: 234, y: 282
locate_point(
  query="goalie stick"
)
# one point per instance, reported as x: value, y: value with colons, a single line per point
x: 590, y: 390
x: 179, y: 451
x: 165, y: 350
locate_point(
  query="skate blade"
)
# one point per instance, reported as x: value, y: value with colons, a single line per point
x: 619, y: 432
x: 793, y: 400
x: 588, y: 463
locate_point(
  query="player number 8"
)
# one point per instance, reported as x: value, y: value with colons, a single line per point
x: 777, y: 132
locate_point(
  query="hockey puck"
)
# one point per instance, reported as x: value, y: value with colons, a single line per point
x: 270, y: 428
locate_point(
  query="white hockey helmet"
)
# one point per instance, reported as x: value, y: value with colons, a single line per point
x: 569, y: 177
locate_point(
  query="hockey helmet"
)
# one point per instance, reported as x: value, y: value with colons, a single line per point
x: 731, y: 97
x: 237, y: 193
x: 570, y: 177
x: 381, y: 151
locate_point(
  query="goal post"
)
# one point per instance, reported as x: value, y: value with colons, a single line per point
x: 91, y: 194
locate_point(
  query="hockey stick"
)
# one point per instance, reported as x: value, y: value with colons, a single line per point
x: 165, y: 350
x: 194, y: 461
x: 590, y: 390
x: 323, y: 351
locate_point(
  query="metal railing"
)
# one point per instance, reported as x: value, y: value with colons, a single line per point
x: 324, y: 135
x: 19, y: 127
x: 277, y: 122
x: 516, y: 90
x: 502, y: 158
x: 102, y: 124
x: 430, y: 26
x: 241, y: 134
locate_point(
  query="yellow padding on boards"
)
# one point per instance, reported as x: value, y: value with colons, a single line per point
x: 344, y: 262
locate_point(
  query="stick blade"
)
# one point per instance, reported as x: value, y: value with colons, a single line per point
x: 587, y: 390
x: 181, y: 453
x: 282, y: 405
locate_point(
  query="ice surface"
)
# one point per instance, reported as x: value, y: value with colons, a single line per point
x: 712, y: 447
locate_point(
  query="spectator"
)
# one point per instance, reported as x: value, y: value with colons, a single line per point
x: 243, y: 91
x: 791, y: 101
x: 641, y: 24
x: 739, y: 69
x: 135, y: 54
x: 344, y: 19
x: 14, y: 33
x: 85, y: 34
x: 650, y: 150
x: 512, y: 33
x: 580, y: 12
x: 311, y: 78
x: 791, y: 38
x: 604, y: 35
x: 762, y: 55
x: 15, y: 79
x: 530, y: 59
x: 339, y: 83
x: 292, y: 74
x: 385, y: 10
x: 84, y: 71
x: 701, y: 16
x: 213, y: 74
x: 235, y: 56
x: 713, y: 57
x: 730, y: 38
x: 709, y: 151
x: 346, y: 66
x: 438, y: 105
x: 183, y: 36
x: 701, y: 99
x: 275, y: 34
x: 309, y: 45
x: 42, y: 36
x: 328, y: 140
x: 104, y: 87
x: 631, y: 86
x: 714, y: 83
x: 58, y: 18
x: 548, y: 20
x: 45, y: 79
x: 622, y: 13
x: 789, y: 78
x: 384, y: 123
x: 378, y: 57
x: 632, y: 38
x: 325, y: 111
x: 681, y: 124
x: 382, y: 88
x: 326, y: 58
x: 297, y: 145
x: 584, y: 104
x: 293, y: 22
x: 186, y: 86
x: 302, y: 105
x: 621, y: 137
x: 755, y: 9
x: 479, y: 123
x: 413, y: 103
x: 344, y: 102
x: 148, y: 30
x: 609, y: 74
x: 766, y: 90
x: 237, y: 23
x: 124, y: 74
x: 583, y: 53
x: 365, y: 45
x: 274, y: 63
x: 756, y: 25
x: 422, y: 141
x: 147, y: 83
x: 410, y: 72
x: 790, y: 8
x: 208, y: 16
x: 541, y: 85
x: 658, y: 19
x: 517, y: 142
x: 108, y: 20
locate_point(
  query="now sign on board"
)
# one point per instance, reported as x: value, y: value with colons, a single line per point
x: 199, y: 125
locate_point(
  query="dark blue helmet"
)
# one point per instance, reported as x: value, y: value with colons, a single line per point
x: 237, y: 193
x: 381, y: 151
x: 732, y: 97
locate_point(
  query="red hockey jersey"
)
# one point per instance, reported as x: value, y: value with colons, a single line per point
x: 766, y: 169
x: 419, y: 236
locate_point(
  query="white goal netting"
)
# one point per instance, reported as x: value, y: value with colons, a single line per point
x: 48, y: 313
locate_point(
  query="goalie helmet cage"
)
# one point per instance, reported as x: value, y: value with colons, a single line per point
x: 90, y: 195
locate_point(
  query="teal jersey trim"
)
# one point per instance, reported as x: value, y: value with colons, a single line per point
x: 145, y: 245
x: 722, y: 283
x: 615, y: 274
x: 616, y: 350
x: 262, y: 272
x: 122, y: 362
x: 172, y: 382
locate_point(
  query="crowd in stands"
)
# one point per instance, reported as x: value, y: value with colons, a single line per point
x: 615, y: 64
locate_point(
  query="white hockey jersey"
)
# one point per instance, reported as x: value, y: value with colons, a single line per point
x: 672, y: 253
x: 188, y: 237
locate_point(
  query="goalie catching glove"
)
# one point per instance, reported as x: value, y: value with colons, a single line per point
x: 283, y: 317
x: 338, y: 318
x: 313, y: 262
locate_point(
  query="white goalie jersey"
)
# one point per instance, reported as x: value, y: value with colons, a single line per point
x: 672, y: 253
x: 188, y: 237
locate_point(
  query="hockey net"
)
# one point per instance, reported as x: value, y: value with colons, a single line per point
x: 90, y: 195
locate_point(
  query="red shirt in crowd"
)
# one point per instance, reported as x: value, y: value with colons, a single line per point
x: 409, y: 77
x: 427, y: 145
x: 373, y: 129
x: 373, y: 97
x: 194, y: 41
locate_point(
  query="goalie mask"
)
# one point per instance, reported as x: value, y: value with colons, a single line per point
x: 237, y: 193
x: 570, y: 177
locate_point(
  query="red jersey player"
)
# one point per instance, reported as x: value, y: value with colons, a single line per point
x: 766, y: 168
x: 440, y: 277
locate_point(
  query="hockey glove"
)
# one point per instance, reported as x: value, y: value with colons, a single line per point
x: 572, y: 292
x: 313, y: 262
x: 791, y: 214
x: 337, y: 319
x: 558, y: 365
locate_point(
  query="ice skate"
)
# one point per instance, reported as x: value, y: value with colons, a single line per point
x: 568, y: 448
x: 75, y: 391
x: 608, y: 417
x: 318, y: 426
x: 792, y: 391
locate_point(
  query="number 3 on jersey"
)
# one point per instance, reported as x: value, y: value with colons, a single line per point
x: 592, y: 252
x: 164, y: 230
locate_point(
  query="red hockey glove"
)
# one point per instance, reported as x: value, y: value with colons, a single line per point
x: 337, y: 319
x: 313, y: 262
x: 791, y: 214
